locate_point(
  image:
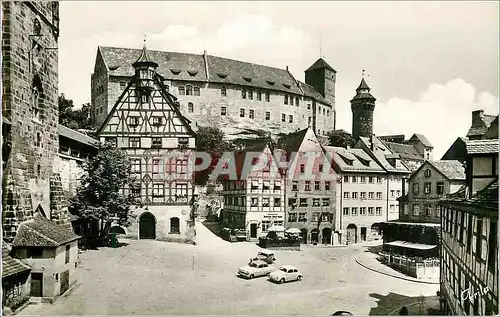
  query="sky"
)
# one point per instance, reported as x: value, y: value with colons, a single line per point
x: 429, y: 64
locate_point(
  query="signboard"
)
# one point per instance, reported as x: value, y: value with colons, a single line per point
x: 273, y: 216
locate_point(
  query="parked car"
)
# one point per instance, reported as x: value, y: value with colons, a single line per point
x: 286, y: 273
x: 341, y: 313
x: 266, y: 256
x: 255, y: 269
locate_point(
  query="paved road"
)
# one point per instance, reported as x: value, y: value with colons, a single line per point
x: 152, y: 277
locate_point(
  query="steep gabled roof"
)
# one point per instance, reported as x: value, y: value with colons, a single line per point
x: 359, y: 160
x: 381, y: 153
x: 292, y: 141
x: 457, y: 151
x: 479, y: 127
x: 320, y: 63
x: 10, y: 265
x: 421, y: 138
x: 492, y: 132
x: 482, y: 146
x: 405, y: 151
x: 452, y: 169
x: 41, y: 232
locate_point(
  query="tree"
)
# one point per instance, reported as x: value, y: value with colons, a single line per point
x: 74, y: 118
x: 210, y: 140
x: 340, y: 138
x: 100, y: 196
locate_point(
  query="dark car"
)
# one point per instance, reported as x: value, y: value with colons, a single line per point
x: 341, y: 313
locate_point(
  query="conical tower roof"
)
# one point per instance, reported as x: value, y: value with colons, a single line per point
x: 144, y: 59
x: 363, y: 91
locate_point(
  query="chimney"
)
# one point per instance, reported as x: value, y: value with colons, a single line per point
x: 477, y: 117
x: 372, y: 141
x: 286, y: 67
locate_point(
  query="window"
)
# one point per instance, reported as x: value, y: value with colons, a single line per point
x: 295, y: 185
x: 308, y: 106
x: 363, y: 179
x: 283, y: 117
x: 292, y: 202
x: 362, y: 211
x: 157, y: 121
x: 398, y: 193
x: 189, y: 90
x: 354, y: 211
x: 320, y: 168
x: 259, y: 96
x: 370, y: 211
x: 155, y: 143
x: 438, y: 211
x: 265, y: 225
x: 303, y: 202
x: 392, y: 193
x: 135, y: 165
x: 196, y: 91
x: 181, y: 91
x: 175, y: 225
x: 302, y: 216
x: 290, y: 118
x: 268, y: 98
x: 302, y: 168
x: 167, y: 87
x: 327, y: 113
x: 440, y: 188
x: 345, y: 212
x: 309, y: 120
x: 379, y: 195
x: 134, y: 142
x: 182, y: 142
x: 479, y: 237
x: 66, y: 257
x: 277, y: 202
x: 378, y: 211
x: 156, y: 166
x: 190, y: 107
x: 250, y: 95
x: 158, y: 190
x: 286, y: 100
x: 427, y: 188
x: 327, y: 185
x: 416, y: 210
x: 255, y: 185
x: 266, y: 185
x: 371, y: 195
x: 265, y: 202
x: 469, y: 233
x: 223, y: 92
x: 268, y: 115
x: 292, y: 217
x: 223, y: 111
x: 251, y: 114
x: 326, y: 202
x: 346, y: 195
x: 181, y: 193
x: 316, y: 202
x: 379, y: 179
x: 346, y: 179
x: 427, y: 173
x: 316, y: 185
x: 428, y: 210
x: 133, y: 121
x: 291, y: 100
x: 354, y: 195
x: 354, y: 179
x: 416, y: 189
x: 370, y: 179
x: 243, y: 93
x: 242, y: 113
x: 307, y: 186
x: 297, y: 101
x: 181, y: 165
x: 363, y: 195
x: 492, y: 247
x: 277, y: 185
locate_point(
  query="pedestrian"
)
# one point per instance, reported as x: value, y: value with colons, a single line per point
x: 403, y: 311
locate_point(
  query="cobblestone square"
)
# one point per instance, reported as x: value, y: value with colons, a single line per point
x: 152, y: 277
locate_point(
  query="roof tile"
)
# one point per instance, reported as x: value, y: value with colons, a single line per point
x: 482, y: 146
x: 41, y: 232
x: 452, y: 169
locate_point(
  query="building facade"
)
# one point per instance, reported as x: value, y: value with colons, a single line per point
x: 469, y: 223
x: 427, y: 185
x: 239, y: 97
x: 146, y: 122
x: 361, y: 195
x: 309, y: 187
x: 255, y: 201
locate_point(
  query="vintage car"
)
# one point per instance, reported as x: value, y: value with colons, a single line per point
x: 255, y: 269
x: 264, y: 255
x: 342, y: 313
x: 286, y: 273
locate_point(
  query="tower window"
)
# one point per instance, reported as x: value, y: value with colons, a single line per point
x: 190, y: 107
x: 259, y: 96
x: 268, y: 97
x: 189, y: 90
x: 181, y: 91
x: 196, y: 91
x: 38, y: 139
x: 243, y: 93
x: 223, y: 111
x: 268, y: 115
x: 250, y: 95
x: 283, y: 118
x: 223, y: 92
x: 286, y: 99
x: 291, y: 100
x: 251, y: 114
x: 242, y: 113
x: 297, y: 101
x: 290, y: 118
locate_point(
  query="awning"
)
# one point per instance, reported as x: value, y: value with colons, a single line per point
x: 411, y: 245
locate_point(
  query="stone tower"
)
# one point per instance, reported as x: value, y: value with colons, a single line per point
x: 30, y: 32
x: 323, y: 78
x: 362, y: 106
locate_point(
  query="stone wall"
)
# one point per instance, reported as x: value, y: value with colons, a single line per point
x: 29, y: 101
x: 362, y: 120
x: 70, y: 171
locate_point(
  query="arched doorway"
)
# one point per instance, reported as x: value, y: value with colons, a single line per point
x: 327, y: 236
x: 147, y: 226
x: 375, y: 230
x: 117, y: 230
x: 352, y: 233
x: 303, y: 233
x: 315, y: 235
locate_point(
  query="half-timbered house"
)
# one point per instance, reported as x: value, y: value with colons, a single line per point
x: 147, y: 124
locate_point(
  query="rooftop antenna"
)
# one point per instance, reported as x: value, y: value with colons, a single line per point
x: 145, y: 36
x: 320, y: 45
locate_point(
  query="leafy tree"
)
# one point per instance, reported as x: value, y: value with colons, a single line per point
x: 99, y: 196
x: 74, y: 118
x: 340, y: 138
x: 210, y: 140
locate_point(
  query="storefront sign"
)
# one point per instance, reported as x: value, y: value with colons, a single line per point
x: 271, y: 216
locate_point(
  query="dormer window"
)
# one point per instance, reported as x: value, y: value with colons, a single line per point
x: 134, y: 121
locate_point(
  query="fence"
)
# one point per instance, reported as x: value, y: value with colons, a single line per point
x: 414, y: 267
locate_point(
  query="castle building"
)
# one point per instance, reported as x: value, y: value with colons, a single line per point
x: 146, y: 122
x: 245, y: 100
x: 30, y: 32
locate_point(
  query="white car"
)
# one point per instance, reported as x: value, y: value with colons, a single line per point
x: 286, y: 273
x: 256, y: 269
